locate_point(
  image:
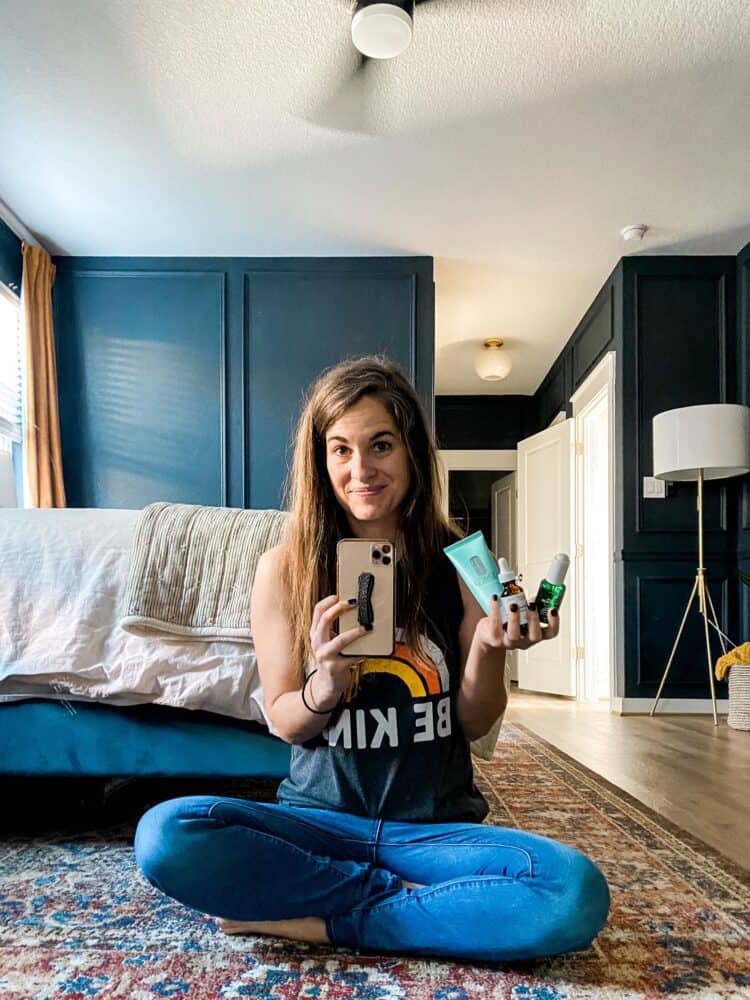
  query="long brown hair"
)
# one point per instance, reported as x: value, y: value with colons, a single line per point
x: 317, y: 520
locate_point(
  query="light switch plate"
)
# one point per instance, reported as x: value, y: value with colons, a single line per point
x: 653, y: 488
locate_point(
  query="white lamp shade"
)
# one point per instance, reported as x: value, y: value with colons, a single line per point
x: 715, y: 438
x: 7, y: 481
x: 492, y: 363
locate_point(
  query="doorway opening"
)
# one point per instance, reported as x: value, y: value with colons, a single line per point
x: 485, y: 500
x: 480, y: 492
x: 471, y: 502
x: 483, y: 467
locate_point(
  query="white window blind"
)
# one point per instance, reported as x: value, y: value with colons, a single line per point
x: 10, y: 368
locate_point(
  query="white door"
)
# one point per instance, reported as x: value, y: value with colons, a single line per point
x: 545, y: 527
x: 504, y: 537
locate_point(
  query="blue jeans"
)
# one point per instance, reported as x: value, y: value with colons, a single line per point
x: 491, y: 893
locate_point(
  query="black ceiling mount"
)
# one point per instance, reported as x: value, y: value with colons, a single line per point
x: 407, y: 5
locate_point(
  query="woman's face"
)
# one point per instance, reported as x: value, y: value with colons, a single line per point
x: 368, y: 466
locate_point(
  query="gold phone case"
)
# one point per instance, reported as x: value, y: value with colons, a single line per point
x: 355, y: 557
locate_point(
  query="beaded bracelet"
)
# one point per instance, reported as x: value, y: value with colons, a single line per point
x: 317, y: 711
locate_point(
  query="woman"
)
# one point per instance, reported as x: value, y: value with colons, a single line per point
x: 376, y: 840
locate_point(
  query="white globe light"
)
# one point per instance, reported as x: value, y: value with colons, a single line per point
x: 382, y: 30
x: 491, y: 362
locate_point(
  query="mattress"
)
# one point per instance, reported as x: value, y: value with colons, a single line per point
x: 63, y: 576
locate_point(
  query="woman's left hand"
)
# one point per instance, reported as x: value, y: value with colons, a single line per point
x: 492, y: 632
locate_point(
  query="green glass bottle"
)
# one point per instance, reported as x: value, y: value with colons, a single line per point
x: 552, y: 589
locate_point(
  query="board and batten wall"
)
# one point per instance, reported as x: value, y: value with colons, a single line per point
x: 181, y: 379
x: 680, y: 349
x: 483, y: 422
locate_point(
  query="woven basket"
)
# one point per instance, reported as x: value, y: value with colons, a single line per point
x: 739, y: 697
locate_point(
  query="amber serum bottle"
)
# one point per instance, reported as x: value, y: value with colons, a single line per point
x: 512, y: 593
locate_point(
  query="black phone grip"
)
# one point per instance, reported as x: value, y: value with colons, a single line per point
x: 365, y: 610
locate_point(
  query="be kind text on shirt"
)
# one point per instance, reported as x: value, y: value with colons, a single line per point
x: 368, y: 728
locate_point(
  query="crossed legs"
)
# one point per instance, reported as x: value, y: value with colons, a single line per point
x: 460, y: 889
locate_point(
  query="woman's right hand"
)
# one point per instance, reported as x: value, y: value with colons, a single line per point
x: 334, y: 669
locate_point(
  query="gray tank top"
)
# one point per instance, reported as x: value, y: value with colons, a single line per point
x: 396, y: 750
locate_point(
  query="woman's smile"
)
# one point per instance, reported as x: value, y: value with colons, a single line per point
x: 368, y: 491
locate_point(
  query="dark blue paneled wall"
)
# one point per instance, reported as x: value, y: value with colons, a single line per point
x: 180, y: 379
x: 10, y: 258
x: 486, y: 421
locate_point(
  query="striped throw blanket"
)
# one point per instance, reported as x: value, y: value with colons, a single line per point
x: 192, y: 569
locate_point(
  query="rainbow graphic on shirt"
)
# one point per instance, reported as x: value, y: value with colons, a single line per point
x: 423, y: 676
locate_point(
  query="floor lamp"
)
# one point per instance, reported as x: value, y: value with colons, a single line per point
x: 695, y: 443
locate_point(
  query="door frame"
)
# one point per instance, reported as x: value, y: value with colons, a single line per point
x: 601, y: 382
x: 472, y: 460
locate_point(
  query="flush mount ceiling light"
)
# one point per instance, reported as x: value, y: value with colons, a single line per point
x: 636, y: 232
x: 382, y: 30
x: 491, y: 363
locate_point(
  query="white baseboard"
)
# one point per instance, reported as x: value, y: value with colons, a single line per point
x: 668, y: 706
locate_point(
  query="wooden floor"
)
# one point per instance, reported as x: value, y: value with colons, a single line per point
x: 693, y: 773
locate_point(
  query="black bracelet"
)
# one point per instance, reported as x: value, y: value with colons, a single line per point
x: 316, y: 711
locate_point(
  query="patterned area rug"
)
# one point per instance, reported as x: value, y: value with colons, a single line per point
x: 78, y: 921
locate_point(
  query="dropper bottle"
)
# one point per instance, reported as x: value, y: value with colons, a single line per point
x: 512, y: 593
x: 552, y: 589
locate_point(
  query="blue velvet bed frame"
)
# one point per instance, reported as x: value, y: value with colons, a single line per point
x: 39, y: 737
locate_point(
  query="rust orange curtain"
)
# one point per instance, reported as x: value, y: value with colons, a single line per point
x: 43, y: 478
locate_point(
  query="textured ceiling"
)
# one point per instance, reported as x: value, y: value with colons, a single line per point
x: 512, y: 141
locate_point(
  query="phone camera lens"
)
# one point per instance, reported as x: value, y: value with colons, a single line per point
x: 376, y: 553
x: 386, y: 548
x: 386, y: 560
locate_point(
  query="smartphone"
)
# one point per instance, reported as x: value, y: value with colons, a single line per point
x: 365, y: 569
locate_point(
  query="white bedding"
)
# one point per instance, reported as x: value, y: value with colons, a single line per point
x: 63, y: 575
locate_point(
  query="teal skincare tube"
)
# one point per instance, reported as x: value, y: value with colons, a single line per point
x: 476, y: 566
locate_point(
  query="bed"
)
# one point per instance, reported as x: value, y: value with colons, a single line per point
x: 80, y: 697
x: 41, y: 737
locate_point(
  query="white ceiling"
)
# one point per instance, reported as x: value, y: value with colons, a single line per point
x: 512, y: 142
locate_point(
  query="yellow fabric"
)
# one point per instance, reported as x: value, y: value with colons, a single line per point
x: 739, y: 655
x: 42, y: 453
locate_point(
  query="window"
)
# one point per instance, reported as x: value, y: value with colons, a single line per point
x: 10, y: 370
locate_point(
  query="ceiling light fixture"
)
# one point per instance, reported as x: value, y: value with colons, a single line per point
x: 491, y: 363
x: 636, y: 232
x: 382, y: 30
